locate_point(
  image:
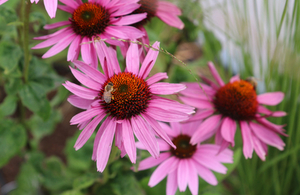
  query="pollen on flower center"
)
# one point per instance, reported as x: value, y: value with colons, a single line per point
x: 90, y: 19
x: 130, y: 96
x: 148, y: 6
x: 237, y: 100
x: 183, y: 147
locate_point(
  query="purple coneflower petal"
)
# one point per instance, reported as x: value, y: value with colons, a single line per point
x: 91, y: 72
x: 228, y: 128
x: 131, y: 19
x: 124, y: 32
x: 74, y: 49
x: 267, y: 136
x: 85, y: 115
x: 172, y: 183
x: 168, y: 130
x: 72, y: 4
x: 128, y: 140
x: 183, y: 174
x: 247, y: 139
x: 162, y: 170
x: 88, y: 131
x: 206, y: 129
x: 51, y: 7
x: 272, y: 126
x: 145, y: 135
x: 168, y: 104
x: 206, y: 174
x: 215, y: 74
x: 52, y: 38
x: 176, y: 127
x: 105, y: 144
x: 98, y: 137
x: 166, y: 116
x: 168, y: 16
x: 151, y: 162
x: 149, y: 61
x: 56, y: 25
x: 127, y: 9
x: 192, y: 178
x: 132, y: 59
x: 258, y: 148
x: 81, y: 91
x: 166, y: 88
x: 235, y: 78
x: 85, y: 80
x: 270, y: 99
x: 79, y: 102
x: 209, y: 162
x: 198, y: 103
x: 157, y: 77
x: 201, y: 114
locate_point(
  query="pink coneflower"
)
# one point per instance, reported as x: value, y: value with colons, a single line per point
x: 164, y: 10
x: 183, y: 164
x: 96, y: 18
x: 129, y: 101
x: 3, y: 1
x: 224, y: 104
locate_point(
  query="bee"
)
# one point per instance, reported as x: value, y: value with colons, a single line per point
x: 252, y: 81
x: 108, y: 89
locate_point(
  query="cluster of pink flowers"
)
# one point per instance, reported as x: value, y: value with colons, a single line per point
x: 128, y: 103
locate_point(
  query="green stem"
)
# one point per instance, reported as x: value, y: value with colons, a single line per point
x: 26, y: 5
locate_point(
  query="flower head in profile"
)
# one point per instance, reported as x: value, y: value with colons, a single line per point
x: 129, y: 101
x: 101, y: 19
x: 182, y: 165
x: 224, y: 105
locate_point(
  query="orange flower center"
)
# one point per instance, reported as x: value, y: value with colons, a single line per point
x: 183, y: 147
x: 237, y: 100
x: 130, y: 96
x: 90, y: 19
x: 148, y: 6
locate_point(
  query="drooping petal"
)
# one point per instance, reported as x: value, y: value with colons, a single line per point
x: 166, y: 88
x: 198, y: 103
x: 79, y: 102
x: 98, y: 136
x: 85, y: 115
x: 81, y: 91
x: 209, y: 162
x: 206, y: 174
x: 130, y: 19
x: 201, y: 114
x: 192, y: 178
x: 51, y: 7
x: 128, y: 140
x: 172, y: 183
x: 228, y: 129
x: 183, y: 173
x: 166, y: 116
x: 85, y: 80
x: 247, y: 139
x: 168, y: 104
x: 151, y: 162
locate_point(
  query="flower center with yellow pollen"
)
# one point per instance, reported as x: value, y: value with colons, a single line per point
x: 147, y: 6
x: 130, y: 96
x: 89, y: 19
x: 237, y: 100
x: 183, y: 147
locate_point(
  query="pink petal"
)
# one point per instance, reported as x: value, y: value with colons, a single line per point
x: 157, y: 128
x: 165, y: 115
x: 162, y: 170
x: 168, y: 129
x: 157, y: 77
x: 206, y: 174
x: 56, y: 25
x: 198, y: 88
x: 201, y: 114
x: 130, y: 19
x: 79, y: 102
x: 104, y: 146
x: 126, y: 9
x: 213, y: 150
x: 198, y: 103
x: 267, y: 136
x: 247, y: 139
x: 85, y: 80
x: 270, y: 99
x: 264, y: 110
x: 52, y: 38
x: 259, y: 149
x: 166, y: 88
x: 98, y: 136
x: 149, y: 61
x: 124, y: 32
x: 90, y: 71
x: 209, y: 162
x: 81, y: 91
x: 88, y: 131
x: 272, y: 126
x: 132, y: 59
x: 215, y: 73
x: 85, y: 115
x: 183, y: 173
x: 74, y: 49
x: 192, y: 178
x: 235, y: 78
x: 128, y: 140
x: 176, y: 127
x: 228, y: 129
x: 170, y: 7
x: 172, y: 183
x: 206, y: 129
x: 65, y: 8
x: 144, y: 134
x: 151, y: 162
x: 168, y: 104
x: 212, y: 84
x: 189, y: 128
x: 72, y: 4
x: 170, y: 19
x: 51, y: 7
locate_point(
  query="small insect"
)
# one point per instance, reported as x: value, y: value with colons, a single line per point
x: 108, y: 89
x: 252, y: 81
x: 95, y: 39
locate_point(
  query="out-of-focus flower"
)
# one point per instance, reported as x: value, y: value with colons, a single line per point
x: 164, y: 10
x: 183, y: 164
x: 99, y: 19
x: 129, y: 101
x: 222, y: 105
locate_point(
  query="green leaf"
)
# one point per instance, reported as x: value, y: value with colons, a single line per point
x: 84, y: 181
x: 8, y: 106
x: 79, y: 160
x: 7, y: 15
x: 72, y: 192
x: 12, y: 86
x: 33, y: 97
x: 12, y: 140
x: 10, y: 54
